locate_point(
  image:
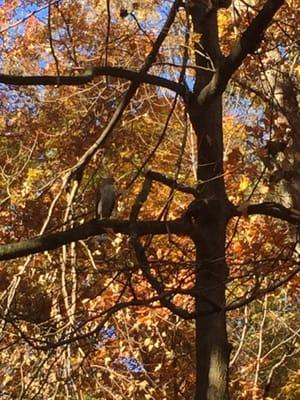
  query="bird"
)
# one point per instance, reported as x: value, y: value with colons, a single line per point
x: 106, y: 198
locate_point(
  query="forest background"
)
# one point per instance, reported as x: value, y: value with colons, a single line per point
x: 190, y: 291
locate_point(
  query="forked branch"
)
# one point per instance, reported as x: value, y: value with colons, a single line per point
x: 247, y: 44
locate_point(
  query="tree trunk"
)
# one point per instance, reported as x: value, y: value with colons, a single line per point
x: 208, y: 214
x: 212, y: 349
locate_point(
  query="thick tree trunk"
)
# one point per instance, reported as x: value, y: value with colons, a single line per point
x: 212, y: 349
x: 208, y: 214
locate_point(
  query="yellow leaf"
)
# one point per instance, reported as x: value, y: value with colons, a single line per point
x: 244, y: 183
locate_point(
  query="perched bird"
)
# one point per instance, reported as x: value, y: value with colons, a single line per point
x: 106, y: 199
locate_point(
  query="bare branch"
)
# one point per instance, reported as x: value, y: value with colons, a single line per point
x: 256, y: 293
x: 91, y: 228
x: 247, y: 44
x: 140, y: 199
x: 140, y: 228
x: 173, y: 184
x: 271, y: 209
x: 165, y: 299
x: 24, y: 19
x: 89, y: 75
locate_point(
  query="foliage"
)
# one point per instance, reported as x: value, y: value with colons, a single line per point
x: 85, y: 320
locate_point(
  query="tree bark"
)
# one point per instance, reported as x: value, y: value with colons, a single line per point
x: 208, y: 215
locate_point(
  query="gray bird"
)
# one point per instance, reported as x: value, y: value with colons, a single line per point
x: 106, y: 199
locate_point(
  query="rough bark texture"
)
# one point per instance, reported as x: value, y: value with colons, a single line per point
x: 208, y: 214
x: 285, y: 99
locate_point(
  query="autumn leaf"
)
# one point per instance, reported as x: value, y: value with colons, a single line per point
x: 244, y: 183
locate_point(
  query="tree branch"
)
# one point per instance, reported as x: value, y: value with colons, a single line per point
x: 140, y: 228
x: 271, y: 209
x: 256, y: 293
x: 165, y: 298
x: 247, y: 44
x: 91, y: 228
x: 140, y: 199
x: 89, y: 75
x: 171, y: 183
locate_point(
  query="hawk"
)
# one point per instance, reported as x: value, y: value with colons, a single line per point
x: 106, y: 199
